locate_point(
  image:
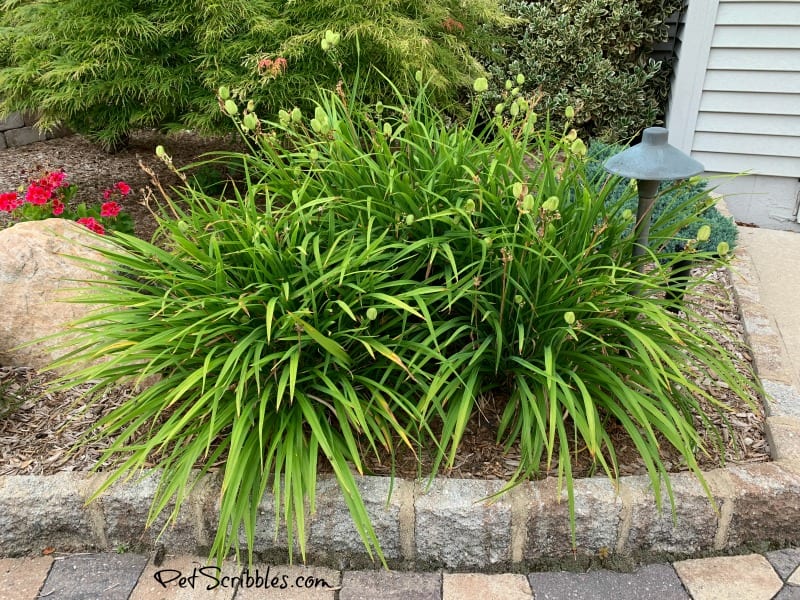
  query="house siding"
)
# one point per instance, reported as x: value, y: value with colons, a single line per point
x: 735, y: 103
x: 748, y: 115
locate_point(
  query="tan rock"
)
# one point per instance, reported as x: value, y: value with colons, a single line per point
x: 37, y: 275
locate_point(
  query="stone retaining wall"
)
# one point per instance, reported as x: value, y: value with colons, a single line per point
x: 449, y: 525
x: 20, y: 130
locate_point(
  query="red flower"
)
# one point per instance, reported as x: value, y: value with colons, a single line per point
x: 9, y: 202
x: 107, y: 194
x: 38, y: 194
x: 92, y: 224
x: 109, y: 209
x: 58, y: 207
x: 56, y: 179
x: 123, y: 188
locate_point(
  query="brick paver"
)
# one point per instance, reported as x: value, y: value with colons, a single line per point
x: 22, y: 578
x: 181, y: 578
x: 468, y: 586
x: 789, y: 592
x: 653, y: 582
x: 785, y: 562
x: 749, y: 577
x: 93, y: 577
x: 290, y: 583
x: 390, y: 585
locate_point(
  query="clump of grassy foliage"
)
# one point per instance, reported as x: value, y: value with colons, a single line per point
x: 378, y: 270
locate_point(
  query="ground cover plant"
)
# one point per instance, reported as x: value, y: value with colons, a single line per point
x: 378, y: 271
x: 105, y: 68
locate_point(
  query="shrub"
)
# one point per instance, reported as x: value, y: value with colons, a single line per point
x: 377, y: 273
x: 592, y: 55
x: 106, y: 68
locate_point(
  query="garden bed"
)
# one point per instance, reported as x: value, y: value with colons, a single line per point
x: 529, y: 523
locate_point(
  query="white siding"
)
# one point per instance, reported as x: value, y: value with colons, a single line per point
x: 744, y: 110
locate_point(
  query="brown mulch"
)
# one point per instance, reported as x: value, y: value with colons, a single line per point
x: 40, y: 428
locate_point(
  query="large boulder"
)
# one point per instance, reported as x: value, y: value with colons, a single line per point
x: 37, y: 275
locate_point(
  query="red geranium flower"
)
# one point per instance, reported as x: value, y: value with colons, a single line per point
x: 56, y: 179
x: 9, y: 202
x: 109, y: 209
x: 123, y: 188
x: 58, y: 207
x: 107, y: 194
x: 38, y: 194
x: 92, y: 224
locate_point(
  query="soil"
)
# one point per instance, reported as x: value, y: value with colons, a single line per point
x: 39, y: 429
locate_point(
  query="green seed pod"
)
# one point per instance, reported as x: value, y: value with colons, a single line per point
x: 519, y: 299
x: 297, y: 115
x: 569, y: 317
x: 515, y: 91
x: 372, y: 313
x: 316, y: 125
x: 528, y: 202
x: 284, y: 117
x: 379, y: 107
x: 224, y: 92
x: 183, y: 226
x: 409, y: 220
x: 723, y: 248
x: 627, y: 214
x: 418, y: 76
x: 703, y: 233
x: 551, y: 204
x: 326, y: 45
x: 509, y: 85
x: 469, y: 206
x: 480, y: 85
x: 251, y: 106
x: 516, y: 189
x: 578, y: 147
x: 387, y: 130
x: 514, y: 109
x: 499, y: 108
x: 160, y: 152
x: 520, y: 78
x: 250, y: 121
x: 569, y: 112
x: 488, y: 242
x: 313, y: 155
x: 231, y: 108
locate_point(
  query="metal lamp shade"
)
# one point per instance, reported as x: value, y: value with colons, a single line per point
x: 653, y: 160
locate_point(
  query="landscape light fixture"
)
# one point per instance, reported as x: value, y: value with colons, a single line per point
x: 651, y: 162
